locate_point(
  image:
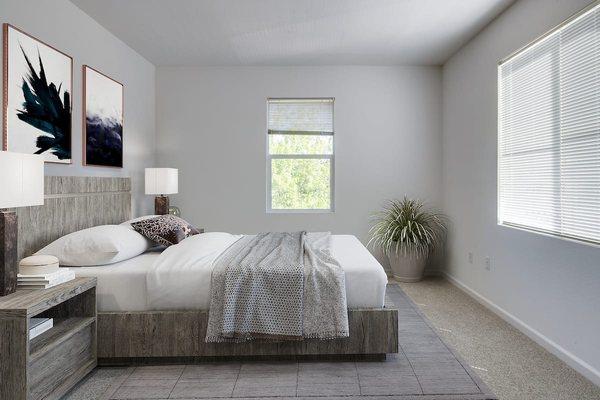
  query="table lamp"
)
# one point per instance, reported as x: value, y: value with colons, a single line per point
x: 160, y: 182
x: 21, y: 185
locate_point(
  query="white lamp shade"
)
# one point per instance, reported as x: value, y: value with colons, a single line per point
x: 162, y: 180
x: 21, y: 180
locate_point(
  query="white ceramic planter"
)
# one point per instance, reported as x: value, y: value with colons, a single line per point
x: 407, y: 268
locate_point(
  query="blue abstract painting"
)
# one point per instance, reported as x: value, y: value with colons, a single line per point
x: 37, y: 97
x: 103, y: 104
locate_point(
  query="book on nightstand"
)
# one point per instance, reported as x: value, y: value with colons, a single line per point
x: 37, y: 326
x: 44, y: 281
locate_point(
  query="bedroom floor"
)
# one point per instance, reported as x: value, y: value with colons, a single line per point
x: 425, y: 369
x: 510, y: 363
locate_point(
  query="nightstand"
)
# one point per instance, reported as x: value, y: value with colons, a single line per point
x: 50, y: 364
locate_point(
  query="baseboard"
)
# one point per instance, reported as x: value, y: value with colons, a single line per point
x: 569, y: 358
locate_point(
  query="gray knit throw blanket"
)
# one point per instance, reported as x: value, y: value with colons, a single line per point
x: 279, y: 286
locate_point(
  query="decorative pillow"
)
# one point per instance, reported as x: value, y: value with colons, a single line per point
x: 153, y: 246
x: 104, y: 244
x: 165, y: 229
x: 131, y: 221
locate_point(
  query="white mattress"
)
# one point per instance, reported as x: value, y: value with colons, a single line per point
x: 122, y: 286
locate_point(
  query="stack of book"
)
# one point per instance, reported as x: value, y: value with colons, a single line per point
x: 44, y: 281
x: 37, y: 326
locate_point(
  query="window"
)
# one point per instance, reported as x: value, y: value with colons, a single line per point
x: 549, y: 132
x: 300, y: 158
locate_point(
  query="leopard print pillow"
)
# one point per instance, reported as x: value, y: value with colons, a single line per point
x: 165, y: 230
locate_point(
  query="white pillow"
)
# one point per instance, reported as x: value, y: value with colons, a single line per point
x: 104, y: 244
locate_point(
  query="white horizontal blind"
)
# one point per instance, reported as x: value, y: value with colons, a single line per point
x: 549, y: 133
x: 301, y: 116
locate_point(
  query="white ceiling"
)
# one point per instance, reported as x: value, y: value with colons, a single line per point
x: 294, y: 32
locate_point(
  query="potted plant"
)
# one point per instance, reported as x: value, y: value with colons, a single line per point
x: 407, y: 232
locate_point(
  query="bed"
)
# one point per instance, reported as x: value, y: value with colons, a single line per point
x: 123, y: 286
x: 140, y: 320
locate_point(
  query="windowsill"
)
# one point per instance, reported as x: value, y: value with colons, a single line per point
x: 300, y: 211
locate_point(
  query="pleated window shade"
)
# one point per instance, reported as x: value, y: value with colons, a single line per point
x: 549, y: 132
x: 301, y: 116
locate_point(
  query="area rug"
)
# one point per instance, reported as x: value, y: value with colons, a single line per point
x: 424, y: 369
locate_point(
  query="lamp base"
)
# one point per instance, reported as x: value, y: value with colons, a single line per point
x: 161, y: 205
x: 8, y: 252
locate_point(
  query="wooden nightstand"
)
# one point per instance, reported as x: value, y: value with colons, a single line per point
x: 50, y: 364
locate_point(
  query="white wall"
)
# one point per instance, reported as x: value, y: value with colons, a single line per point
x: 211, y: 124
x: 64, y: 26
x: 548, y: 287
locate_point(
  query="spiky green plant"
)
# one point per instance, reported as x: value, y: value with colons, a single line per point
x: 407, y: 227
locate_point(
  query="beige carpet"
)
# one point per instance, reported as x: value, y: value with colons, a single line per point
x: 512, y: 365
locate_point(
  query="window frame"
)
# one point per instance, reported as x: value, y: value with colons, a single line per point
x: 330, y: 157
x: 513, y: 225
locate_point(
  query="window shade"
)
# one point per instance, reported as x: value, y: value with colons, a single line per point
x: 549, y: 132
x: 301, y: 116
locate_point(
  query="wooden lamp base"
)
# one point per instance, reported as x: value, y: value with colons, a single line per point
x: 8, y: 252
x: 161, y: 205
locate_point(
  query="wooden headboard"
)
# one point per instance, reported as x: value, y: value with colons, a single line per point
x: 72, y: 203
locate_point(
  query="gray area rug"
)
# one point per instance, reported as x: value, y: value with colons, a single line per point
x: 425, y: 369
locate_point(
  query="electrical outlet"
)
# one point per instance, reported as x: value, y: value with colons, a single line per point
x: 487, y: 262
x: 470, y: 256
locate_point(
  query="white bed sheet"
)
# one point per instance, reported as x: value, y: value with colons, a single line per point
x: 123, y: 286
x: 365, y: 277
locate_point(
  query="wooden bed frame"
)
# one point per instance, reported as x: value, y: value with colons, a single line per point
x: 74, y: 203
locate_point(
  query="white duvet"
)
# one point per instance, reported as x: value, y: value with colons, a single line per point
x: 180, y: 277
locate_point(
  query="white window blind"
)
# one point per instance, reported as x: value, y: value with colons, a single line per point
x: 301, y: 116
x: 549, y: 132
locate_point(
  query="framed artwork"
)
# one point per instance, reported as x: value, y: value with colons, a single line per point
x: 102, y: 119
x: 38, y: 82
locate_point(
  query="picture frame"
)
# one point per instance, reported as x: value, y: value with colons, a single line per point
x: 103, y: 119
x: 37, y: 97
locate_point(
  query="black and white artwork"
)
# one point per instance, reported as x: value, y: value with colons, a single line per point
x: 38, y: 81
x: 103, y: 132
